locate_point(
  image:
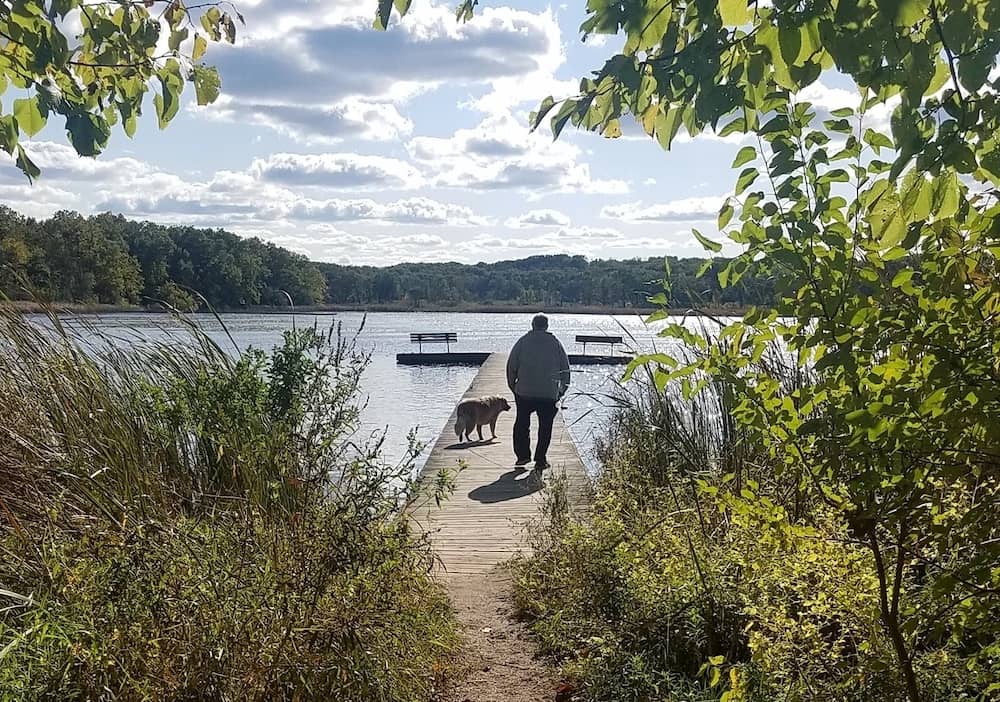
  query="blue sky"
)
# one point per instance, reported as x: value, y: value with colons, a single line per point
x: 353, y: 146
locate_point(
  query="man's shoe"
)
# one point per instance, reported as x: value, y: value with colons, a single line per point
x: 542, y: 465
x: 522, y: 461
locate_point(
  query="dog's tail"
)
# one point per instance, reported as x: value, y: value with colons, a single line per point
x: 459, y: 426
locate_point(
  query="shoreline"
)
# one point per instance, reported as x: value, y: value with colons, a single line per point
x: 332, y: 309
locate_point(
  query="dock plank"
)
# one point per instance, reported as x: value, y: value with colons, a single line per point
x: 483, y: 523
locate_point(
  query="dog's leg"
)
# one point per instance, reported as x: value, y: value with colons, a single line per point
x: 493, y: 427
x: 479, y: 430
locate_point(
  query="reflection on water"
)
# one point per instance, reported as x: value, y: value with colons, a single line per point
x: 398, y: 399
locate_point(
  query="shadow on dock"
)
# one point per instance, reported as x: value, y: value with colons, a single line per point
x: 470, y: 444
x: 507, y: 487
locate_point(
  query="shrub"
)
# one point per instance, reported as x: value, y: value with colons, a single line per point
x: 700, y: 574
x: 180, y: 524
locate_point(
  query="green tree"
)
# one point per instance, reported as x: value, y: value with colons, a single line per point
x: 101, y: 77
x: 86, y: 265
x: 883, y: 248
x: 295, y: 275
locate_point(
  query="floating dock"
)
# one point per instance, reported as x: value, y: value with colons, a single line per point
x: 476, y: 359
x: 483, y: 523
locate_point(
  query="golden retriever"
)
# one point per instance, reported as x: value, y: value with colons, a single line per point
x: 477, y: 413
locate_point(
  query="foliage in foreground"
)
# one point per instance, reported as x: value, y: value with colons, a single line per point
x: 177, y: 524
x: 702, y: 573
x: 100, y: 77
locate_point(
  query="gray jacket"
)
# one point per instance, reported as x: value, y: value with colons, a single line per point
x: 538, y: 366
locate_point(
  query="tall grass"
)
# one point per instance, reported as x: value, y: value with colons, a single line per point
x: 702, y: 572
x: 182, y: 523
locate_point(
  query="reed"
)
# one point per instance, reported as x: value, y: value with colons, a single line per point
x: 182, y: 521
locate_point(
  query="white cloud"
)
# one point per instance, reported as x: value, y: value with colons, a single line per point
x: 649, y: 181
x: 350, y: 118
x: 317, y: 72
x: 278, y: 188
x: 37, y: 200
x: 826, y: 99
x: 500, y: 154
x: 602, y: 235
x: 336, y: 170
x: 686, y: 210
x: 415, y: 210
x: 539, y: 218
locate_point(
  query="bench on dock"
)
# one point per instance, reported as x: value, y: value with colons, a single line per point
x: 421, y: 338
x: 591, y: 339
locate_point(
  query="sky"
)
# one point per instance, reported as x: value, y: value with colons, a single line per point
x: 360, y: 147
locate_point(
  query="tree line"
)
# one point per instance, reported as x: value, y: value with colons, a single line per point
x: 108, y: 259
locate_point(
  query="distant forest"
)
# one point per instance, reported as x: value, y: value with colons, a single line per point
x: 107, y: 259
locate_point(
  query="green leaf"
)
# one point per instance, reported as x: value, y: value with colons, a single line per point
x: 177, y: 37
x: 725, y: 215
x: 708, y: 244
x: 88, y: 133
x: 8, y: 133
x: 902, y: 278
x: 200, y: 47
x: 536, y: 117
x: 206, y: 84
x: 161, y: 112
x: 734, y: 12
x: 946, y: 195
x: 26, y: 165
x: 737, y: 125
x: 652, y: 20
x: 909, y: 12
x: 466, y: 11
x: 29, y: 117
x: 612, y: 129
x: 746, y: 179
x: 128, y: 115
x: 918, y: 197
x: 211, y: 26
x: 560, y: 118
x: 230, y: 27
x: 893, y: 232
x: 745, y: 156
x: 877, y: 140
x: 383, y: 14
x: 667, y: 125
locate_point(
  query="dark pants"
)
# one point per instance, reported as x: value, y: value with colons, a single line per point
x: 546, y: 410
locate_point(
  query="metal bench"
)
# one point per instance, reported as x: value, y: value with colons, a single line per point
x: 589, y: 339
x: 447, y: 338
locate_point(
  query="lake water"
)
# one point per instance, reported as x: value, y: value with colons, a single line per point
x: 398, y: 399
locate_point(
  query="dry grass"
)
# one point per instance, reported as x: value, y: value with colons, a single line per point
x: 182, y: 523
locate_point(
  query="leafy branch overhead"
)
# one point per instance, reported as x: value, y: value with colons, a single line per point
x: 98, y: 76
x: 700, y: 65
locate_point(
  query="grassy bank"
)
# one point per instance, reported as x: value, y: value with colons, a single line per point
x: 706, y: 571
x: 179, y: 524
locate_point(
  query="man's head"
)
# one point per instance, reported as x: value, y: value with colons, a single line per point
x: 540, y: 322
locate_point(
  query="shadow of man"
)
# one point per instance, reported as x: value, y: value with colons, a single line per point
x: 507, y: 487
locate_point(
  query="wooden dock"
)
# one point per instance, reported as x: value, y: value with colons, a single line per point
x: 482, y: 524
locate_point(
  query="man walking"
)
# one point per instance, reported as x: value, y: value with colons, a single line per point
x: 538, y: 375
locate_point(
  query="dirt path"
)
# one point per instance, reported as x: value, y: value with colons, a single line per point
x: 498, y: 662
